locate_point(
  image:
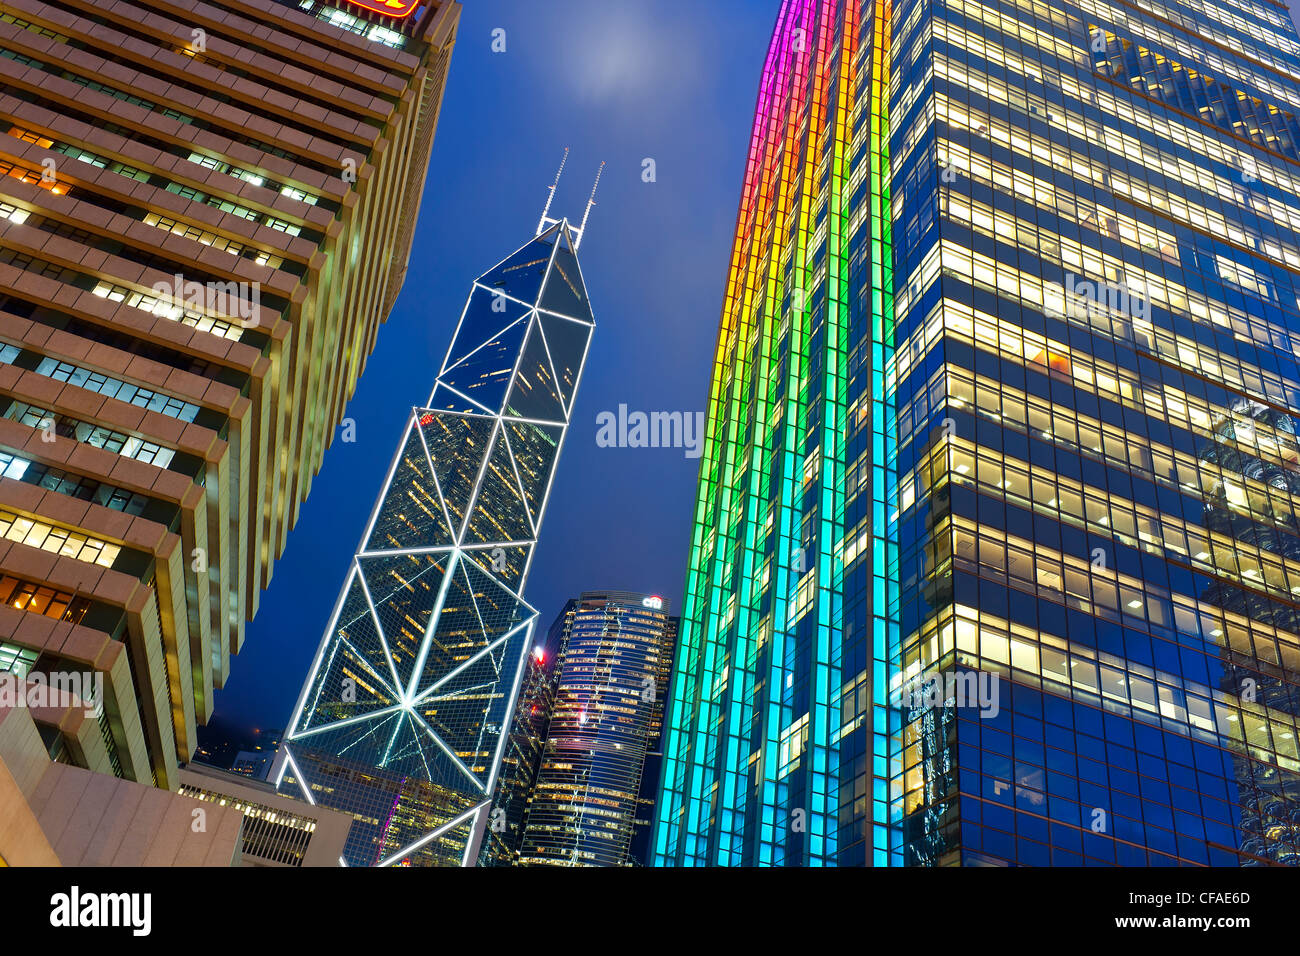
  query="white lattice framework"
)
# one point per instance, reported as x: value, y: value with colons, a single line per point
x: 406, y: 711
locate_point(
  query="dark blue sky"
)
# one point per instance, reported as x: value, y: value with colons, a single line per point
x: 614, y: 80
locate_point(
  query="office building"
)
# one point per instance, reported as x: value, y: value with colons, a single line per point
x: 524, y: 748
x: 404, y: 717
x: 206, y: 210
x: 277, y: 830
x: 1004, y: 401
x: 610, y: 685
x: 60, y: 807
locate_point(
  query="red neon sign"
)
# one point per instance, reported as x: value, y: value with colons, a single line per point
x: 391, y: 8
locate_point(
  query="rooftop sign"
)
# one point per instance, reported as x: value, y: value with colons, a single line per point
x: 392, y: 8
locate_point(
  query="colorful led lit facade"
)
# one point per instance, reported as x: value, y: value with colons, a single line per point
x: 1059, y: 455
x: 405, y: 717
x: 758, y: 754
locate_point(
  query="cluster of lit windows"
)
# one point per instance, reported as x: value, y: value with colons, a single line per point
x: 225, y: 205
x: 72, y: 485
x: 1170, y: 81
x: 33, y: 27
x: 208, y: 238
x: 1188, y: 144
x: 1036, y: 657
x: 1241, y: 33
x: 173, y: 226
x: 1131, y: 232
x: 1204, y: 52
x: 39, y: 599
x: 353, y: 24
x: 1107, y: 513
x: 13, y: 213
x: 167, y: 310
x: 106, y: 385
x: 47, y: 537
x: 96, y: 436
x: 984, y: 272
x: 15, y: 659
x: 255, y: 179
x: 267, y: 833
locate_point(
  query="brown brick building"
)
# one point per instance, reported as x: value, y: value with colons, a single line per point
x: 206, y: 209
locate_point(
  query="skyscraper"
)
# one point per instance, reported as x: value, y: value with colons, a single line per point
x: 758, y: 754
x: 1043, y: 444
x: 205, y: 214
x: 608, y: 704
x: 525, y: 745
x: 405, y: 715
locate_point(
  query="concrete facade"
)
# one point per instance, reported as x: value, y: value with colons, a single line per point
x: 55, y: 814
x: 265, y: 164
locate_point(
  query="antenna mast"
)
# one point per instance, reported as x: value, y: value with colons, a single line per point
x: 544, y: 221
x: 577, y: 241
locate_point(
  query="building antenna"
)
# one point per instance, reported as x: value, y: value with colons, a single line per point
x: 544, y: 221
x: 590, y: 202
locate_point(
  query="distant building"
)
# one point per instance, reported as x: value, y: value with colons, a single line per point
x: 613, y: 667
x: 257, y: 762
x: 277, y: 830
x: 523, y: 754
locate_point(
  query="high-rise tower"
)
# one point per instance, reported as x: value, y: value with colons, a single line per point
x: 1041, y: 446
x: 404, y: 717
x: 205, y: 215
x: 758, y: 754
x: 612, y: 666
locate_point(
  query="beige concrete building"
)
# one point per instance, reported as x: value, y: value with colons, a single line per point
x: 56, y: 814
x: 206, y: 210
x: 277, y: 830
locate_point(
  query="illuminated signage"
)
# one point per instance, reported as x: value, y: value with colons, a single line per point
x: 390, y: 8
x: 655, y: 602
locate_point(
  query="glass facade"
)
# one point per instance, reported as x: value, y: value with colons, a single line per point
x: 1066, y: 410
x: 762, y: 744
x: 523, y: 754
x: 611, y: 668
x: 403, y: 720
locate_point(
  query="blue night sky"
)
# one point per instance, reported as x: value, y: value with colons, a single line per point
x: 672, y: 80
x: 614, y: 80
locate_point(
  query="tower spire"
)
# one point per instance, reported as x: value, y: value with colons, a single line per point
x: 542, y: 223
x: 590, y: 202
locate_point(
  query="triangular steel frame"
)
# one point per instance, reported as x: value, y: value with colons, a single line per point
x: 319, y: 709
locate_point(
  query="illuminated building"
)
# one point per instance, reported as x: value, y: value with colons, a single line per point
x: 1005, y: 389
x: 612, y: 665
x: 523, y: 754
x: 276, y: 830
x: 205, y: 215
x: 642, y: 849
x: 404, y: 718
